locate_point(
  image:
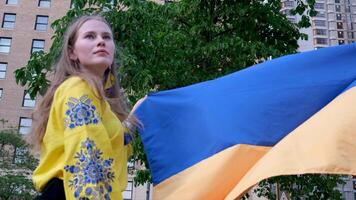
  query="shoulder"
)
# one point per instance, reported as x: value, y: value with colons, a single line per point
x: 75, y: 91
x: 73, y: 83
x: 74, y: 87
x: 76, y: 103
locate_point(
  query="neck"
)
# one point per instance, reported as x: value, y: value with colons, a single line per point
x: 95, y: 72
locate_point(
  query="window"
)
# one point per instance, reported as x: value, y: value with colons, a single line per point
x: 340, y: 34
x: 320, y: 31
x: 320, y: 14
x: 20, y: 155
x: 44, y: 3
x: 319, y: 22
x: 337, y: 1
x: 41, y: 23
x: 289, y: 4
x: 321, y: 41
x: 341, y: 42
x: 291, y: 19
x: 27, y: 101
x: 8, y: 20
x: 338, y: 17
x: 1, y: 90
x: 25, y: 125
x: 338, y: 8
x: 319, y: 5
x: 127, y: 194
x: 354, y: 183
x: 339, y: 25
x: 37, y: 45
x: 3, y: 67
x: 350, y: 17
x: 5, y: 44
x: 347, y: 9
x: 286, y: 12
x: 11, y: 2
x: 351, y: 35
x: 130, y: 167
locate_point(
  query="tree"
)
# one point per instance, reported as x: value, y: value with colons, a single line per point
x: 177, y: 44
x: 16, y: 164
x: 162, y: 47
x: 302, y: 187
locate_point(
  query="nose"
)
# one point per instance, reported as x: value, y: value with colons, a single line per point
x: 101, y: 41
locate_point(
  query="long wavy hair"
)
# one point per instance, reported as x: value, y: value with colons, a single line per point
x: 65, y: 68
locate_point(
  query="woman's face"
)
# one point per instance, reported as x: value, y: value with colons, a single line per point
x: 94, y: 47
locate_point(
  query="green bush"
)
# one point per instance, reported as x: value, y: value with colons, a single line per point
x: 16, y: 165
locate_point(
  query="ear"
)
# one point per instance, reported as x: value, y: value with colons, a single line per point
x: 72, y: 54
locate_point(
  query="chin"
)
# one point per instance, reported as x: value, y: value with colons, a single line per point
x: 103, y: 64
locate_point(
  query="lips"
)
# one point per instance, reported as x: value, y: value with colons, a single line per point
x: 101, y: 51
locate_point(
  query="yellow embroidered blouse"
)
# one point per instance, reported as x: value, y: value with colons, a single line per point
x: 83, y: 145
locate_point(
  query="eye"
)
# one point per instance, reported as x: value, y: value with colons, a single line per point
x: 89, y: 36
x: 107, y: 37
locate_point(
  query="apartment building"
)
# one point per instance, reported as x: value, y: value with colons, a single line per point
x: 349, y: 189
x: 25, y: 28
x: 333, y: 25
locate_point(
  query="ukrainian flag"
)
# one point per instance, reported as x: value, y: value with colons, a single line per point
x: 216, y: 139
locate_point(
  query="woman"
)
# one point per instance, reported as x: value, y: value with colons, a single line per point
x: 77, y: 126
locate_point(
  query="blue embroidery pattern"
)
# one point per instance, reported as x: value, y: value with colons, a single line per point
x: 91, y: 173
x: 80, y: 112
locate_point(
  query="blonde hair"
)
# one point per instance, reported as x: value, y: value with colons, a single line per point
x: 65, y: 68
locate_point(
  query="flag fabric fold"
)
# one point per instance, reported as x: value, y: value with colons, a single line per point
x: 291, y: 115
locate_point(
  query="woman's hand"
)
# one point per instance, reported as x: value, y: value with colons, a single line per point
x: 137, y: 104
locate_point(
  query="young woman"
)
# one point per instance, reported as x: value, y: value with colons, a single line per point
x: 77, y: 126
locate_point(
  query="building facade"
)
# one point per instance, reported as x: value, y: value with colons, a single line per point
x: 333, y: 25
x: 349, y: 189
x: 25, y: 28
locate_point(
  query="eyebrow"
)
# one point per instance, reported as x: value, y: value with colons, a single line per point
x: 88, y: 32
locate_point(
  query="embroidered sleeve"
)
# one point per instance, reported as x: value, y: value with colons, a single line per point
x: 91, y: 175
x: 88, y: 155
